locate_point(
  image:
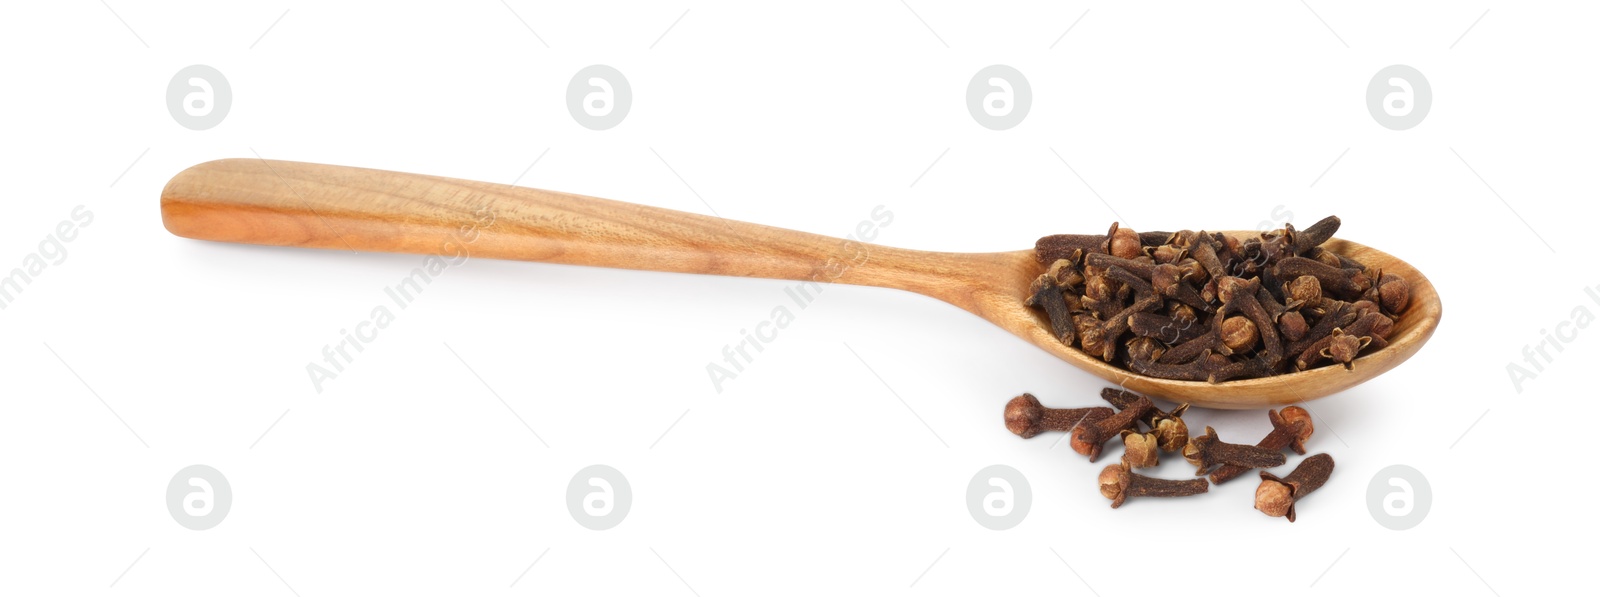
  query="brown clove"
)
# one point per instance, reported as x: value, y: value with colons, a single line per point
x: 1118, y: 483
x: 1207, y: 451
x: 1090, y: 437
x: 1277, y: 496
x: 1026, y: 417
x: 1290, y: 429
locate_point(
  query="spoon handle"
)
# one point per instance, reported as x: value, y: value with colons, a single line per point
x: 336, y: 207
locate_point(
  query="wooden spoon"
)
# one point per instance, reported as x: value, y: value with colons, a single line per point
x: 333, y: 207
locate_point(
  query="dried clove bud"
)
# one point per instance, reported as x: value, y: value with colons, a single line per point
x: 1207, y: 451
x: 1140, y: 450
x: 1290, y: 429
x: 1118, y: 483
x: 1344, y: 344
x: 1171, y: 431
x: 1316, y: 234
x: 1027, y: 418
x: 1277, y: 496
x: 1046, y: 294
x: 1090, y: 437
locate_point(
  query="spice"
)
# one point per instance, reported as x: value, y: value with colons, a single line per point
x: 1027, y: 418
x: 1207, y: 451
x: 1170, y: 431
x: 1239, y: 333
x: 1118, y: 484
x: 1090, y: 437
x: 1290, y: 429
x: 1140, y: 450
x: 1343, y: 344
x: 1091, y: 427
x: 1293, y: 325
x: 1277, y: 496
x: 1394, y: 293
x: 1210, y: 307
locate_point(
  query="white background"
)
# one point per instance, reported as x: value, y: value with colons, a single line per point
x: 839, y: 460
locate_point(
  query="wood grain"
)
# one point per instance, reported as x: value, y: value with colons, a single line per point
x: 334, y: 207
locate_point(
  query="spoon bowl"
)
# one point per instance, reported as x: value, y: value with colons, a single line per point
x: 297, y: 204
x: 1412, y: 328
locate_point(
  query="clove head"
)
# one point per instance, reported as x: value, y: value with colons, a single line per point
x: 1274, y: 498
x: 1164, y: 279
x: 1343, y: 347
x: 1062, y: 271
x: 1306, y: 290
x: 1183, y: 313
x: 1293, y: 326
x: 1140, y: 450
x: 1124, y: 243
x: 1196, y: 447
x: 1172, y: 433
x: 1167, y: 254
x: 1145, y: 350
x: 1098, y: 288
x: 1229, y: 287
x: 1114, y: 481
x: 1394, y: 293
x: 1091, y: 334
x: 1024, y: 416
x: 1239, y: 334
x: 1293, y: 416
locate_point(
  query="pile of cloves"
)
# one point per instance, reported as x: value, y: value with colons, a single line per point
x: 1204, y: 306
x: 1147, y: 432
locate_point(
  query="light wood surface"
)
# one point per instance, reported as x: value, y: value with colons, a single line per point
x: 335, y: 207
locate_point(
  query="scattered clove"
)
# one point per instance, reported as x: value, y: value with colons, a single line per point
x: 1027, y: 418
x: 1210, y: 307
x: 1207, y: 451
x: 1090, y: 437
x: 1140, y: 450
x: 1290, y: 429
x: 1277, y: 496
x: 1118, y: 483
x: 1147, y: 431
